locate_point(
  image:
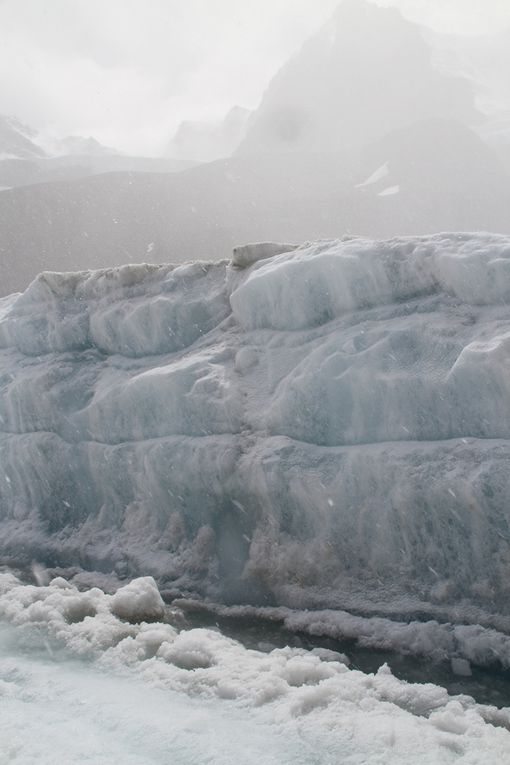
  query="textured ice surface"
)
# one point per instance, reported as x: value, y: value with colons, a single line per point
x: 149, y: 693
x: 327, y: 428
x: 246, y: 254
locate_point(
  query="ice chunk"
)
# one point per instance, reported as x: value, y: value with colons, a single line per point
x: 138, y: 601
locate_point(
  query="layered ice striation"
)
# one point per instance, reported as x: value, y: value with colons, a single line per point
x: 328, y: 427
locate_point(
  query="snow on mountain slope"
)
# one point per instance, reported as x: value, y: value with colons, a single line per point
x: 327, y: 428
x: 18, y: 141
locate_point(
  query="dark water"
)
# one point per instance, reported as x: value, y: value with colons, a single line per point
x: 488, y: 685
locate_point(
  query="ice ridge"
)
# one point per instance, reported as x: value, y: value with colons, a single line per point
x: 326, y: 427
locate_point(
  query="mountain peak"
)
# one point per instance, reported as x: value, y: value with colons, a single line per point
x: 367, y: 72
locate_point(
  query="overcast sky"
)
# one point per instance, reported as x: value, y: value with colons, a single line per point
x: 128, y: 71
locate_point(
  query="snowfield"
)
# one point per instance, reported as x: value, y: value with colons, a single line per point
x: 326, y: 428
x: 79, y: 683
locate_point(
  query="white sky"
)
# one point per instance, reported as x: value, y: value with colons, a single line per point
x: 128, y: 71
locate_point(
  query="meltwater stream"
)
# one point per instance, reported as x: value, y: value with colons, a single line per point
x: 487, y: 685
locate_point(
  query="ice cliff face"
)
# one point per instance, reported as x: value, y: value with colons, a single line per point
x: 328, y: 427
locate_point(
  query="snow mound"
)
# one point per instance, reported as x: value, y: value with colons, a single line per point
x: 329, y: 428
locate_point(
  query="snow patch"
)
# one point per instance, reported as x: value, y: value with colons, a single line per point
x: 390, y: 191
x: 376, y: 176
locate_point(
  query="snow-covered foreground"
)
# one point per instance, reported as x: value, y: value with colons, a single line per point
x: 81, y: 683
x: 57, y: 710
x: 328, y: 427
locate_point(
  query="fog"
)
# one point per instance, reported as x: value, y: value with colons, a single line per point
x: 170, y: 131
x: 129, y: 72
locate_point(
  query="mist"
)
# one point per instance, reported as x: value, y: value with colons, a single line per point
x: 128, y: 73
x: 173, y: 132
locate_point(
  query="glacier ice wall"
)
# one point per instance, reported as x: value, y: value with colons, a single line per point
x: 328, y: 427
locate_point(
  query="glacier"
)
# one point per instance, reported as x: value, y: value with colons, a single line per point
x: 327, y: 427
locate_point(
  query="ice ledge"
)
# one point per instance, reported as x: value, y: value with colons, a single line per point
x: 338, y: 342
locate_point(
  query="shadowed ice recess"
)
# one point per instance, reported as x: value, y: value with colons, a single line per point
x: 323, y: 428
